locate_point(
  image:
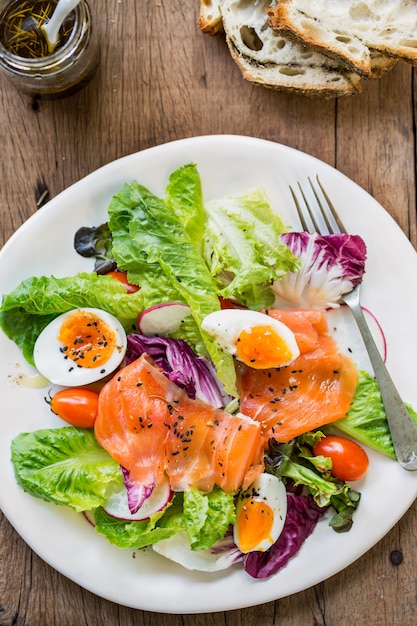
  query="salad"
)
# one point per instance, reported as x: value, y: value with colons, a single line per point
x: 191, y: 441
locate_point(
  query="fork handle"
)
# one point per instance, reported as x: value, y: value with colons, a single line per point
x: 402, y: 427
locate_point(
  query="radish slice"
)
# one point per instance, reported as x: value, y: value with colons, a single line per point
x: 343, y: 328
x: 163, y: 319
x: 177, y: 548
x: 117, y: 503
x: 89, y: 516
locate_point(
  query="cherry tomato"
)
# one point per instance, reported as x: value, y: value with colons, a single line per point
x: 76, y: 406
x: 350, y: 461
x: 122, y: 278
x: 226, y: 303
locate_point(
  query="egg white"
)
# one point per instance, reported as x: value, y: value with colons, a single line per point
x: 226, y: 325
x: 266, y: 489
x: 50, y: 361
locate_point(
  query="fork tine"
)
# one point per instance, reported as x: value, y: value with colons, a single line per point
x: 305, y: 214
x: 323, y: 210
x: 330, y: 205
x: 300, y: 213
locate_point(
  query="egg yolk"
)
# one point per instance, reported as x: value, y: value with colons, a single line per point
x: 254, y: 525
x: 87, y: 340
x: 262, y: 347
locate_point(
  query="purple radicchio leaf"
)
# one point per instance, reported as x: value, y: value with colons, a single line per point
x: 302, y: 517
x: 181, y: 365
x: 331, y: 265
x: 136, y: 494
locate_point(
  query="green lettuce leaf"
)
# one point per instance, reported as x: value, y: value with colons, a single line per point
x: 205, y: 518
x: 159, y: 234
x: 296, y: 461
x: 125, y: 534
x: 184, y: 197
x: 242, y: 248
x: 37, y: 300
x: 366, y: 420
x: 129, y: 256
x: 64, y: 466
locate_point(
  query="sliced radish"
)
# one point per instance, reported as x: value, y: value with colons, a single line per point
x: 89, y: 516
x: 163, y: 319
x: 177, y: 548
x: 117, y: 503
x: 343, y: 328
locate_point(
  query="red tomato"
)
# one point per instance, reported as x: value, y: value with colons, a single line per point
x: 350, y: 461
x: 122, y: 278
x: 76, y: 406
x: 226, y: 303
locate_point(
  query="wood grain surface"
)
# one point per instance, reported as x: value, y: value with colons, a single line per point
x: 160, y: 79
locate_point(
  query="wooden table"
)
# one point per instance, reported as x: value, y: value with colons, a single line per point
x: 160, y: 79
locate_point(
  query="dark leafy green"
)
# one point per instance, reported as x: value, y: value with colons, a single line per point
x: 96, y: 242
x: 296, y: 461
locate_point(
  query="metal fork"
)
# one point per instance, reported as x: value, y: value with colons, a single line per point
x: 319, y: 215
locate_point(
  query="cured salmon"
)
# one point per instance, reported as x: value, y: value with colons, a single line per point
x: 154, y: 430
x: 316, y: 389
x: 306, y: 325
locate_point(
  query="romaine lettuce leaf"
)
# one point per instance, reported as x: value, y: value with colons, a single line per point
x: 129, y: 256
x: 64, y: 466
x: 184, y: 197
x: 207, y: 516
x: 204, y: 517
x: 159, y: 234
x: 37, y: 300
x: 124, y: 534
x: 243, y: 250
x: 366, y: 420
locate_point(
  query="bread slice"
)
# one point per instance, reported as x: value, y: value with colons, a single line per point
x: 210, y: 17
x: 273, y: 61
x: 350, y: 30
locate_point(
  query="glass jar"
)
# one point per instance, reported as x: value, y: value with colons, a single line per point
x: 55, y: 74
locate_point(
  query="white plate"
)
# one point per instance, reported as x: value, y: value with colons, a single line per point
x: 44, y: 245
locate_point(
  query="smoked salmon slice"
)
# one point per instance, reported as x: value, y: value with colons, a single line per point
x: 316, y: 389
x: 154, y: 430
x: 306, y: 325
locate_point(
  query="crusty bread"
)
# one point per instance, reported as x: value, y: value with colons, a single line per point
x: 270, y: 60
x: 210, y: 17
x: 350, y: 30
x: 275, y: 61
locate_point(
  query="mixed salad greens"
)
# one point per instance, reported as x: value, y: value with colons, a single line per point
x: 179, y: 249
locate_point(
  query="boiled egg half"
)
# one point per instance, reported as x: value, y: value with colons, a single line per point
x: 80, y: 347
x: 260, y: 514
x: 254, y: 338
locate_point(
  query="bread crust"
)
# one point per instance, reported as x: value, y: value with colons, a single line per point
x: 352, y: 32
x: 276, y: 77
x: 282, y: 62
x: 280, y: 21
